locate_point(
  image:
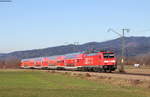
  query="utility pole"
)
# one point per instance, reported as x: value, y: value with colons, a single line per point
x: 123, y: 50
x: 121, y: 69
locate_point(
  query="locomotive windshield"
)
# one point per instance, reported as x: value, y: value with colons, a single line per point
x: 109, y: 55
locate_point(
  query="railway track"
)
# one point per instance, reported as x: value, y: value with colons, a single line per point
x: 116, y: 75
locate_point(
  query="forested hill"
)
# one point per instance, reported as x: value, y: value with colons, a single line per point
x: 134, y: 46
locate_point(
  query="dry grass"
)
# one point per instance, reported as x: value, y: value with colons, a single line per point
x: 137, y: 77
x: 134, y: 77
x: 36, y: 83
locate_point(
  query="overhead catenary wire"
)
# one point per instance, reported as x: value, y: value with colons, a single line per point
x: 121, y: 69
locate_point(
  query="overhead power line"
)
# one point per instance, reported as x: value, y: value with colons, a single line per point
x: 122, y: 35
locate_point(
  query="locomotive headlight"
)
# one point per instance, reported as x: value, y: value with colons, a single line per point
x: 109, y: 61
x: 106, y: 61
x: 113, y: 61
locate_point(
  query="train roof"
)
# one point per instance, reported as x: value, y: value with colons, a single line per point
x: 65, y: 56
x: 36, y: 59
x: 53, y: 57
x: 72, y: 55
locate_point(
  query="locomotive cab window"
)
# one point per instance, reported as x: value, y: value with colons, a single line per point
x: 109, y: 55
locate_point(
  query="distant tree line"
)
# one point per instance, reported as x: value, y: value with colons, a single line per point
x: 143, y: 59
x: 9, y: 62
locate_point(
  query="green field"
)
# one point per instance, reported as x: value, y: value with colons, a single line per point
x: 17, y: 83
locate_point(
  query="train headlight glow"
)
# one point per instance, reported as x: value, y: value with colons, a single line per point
x: 106, y: 61
x: 113, y: 61
x: 109, y: 61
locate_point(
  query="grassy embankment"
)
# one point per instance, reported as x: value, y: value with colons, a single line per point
x: 23, y: 83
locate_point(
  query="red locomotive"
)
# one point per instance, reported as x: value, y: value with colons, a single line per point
x: 84, y: 61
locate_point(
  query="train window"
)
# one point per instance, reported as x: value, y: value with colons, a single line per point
x: 38, y: 65
x: 78, y: 60
x: 70, y: 65
x: 60, y: 61
x: 108, y: 55
x: 25, y: 65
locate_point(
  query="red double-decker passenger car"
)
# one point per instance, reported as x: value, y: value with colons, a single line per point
x: 84, y: 61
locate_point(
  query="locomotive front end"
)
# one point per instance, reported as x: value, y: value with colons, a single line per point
x: 109, y: 61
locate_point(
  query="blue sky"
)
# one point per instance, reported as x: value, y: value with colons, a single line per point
x: 33, y: 24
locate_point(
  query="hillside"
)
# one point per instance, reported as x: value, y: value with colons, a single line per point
x: 134, y: 46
